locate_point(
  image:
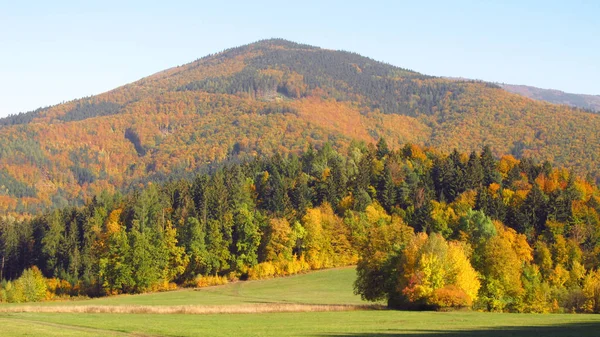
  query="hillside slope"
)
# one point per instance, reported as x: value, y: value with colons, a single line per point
x: 589, y: 102
x: 270, y: 96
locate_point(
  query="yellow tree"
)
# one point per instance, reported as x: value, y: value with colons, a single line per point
x: 441, y: 276
x: 502, y: 261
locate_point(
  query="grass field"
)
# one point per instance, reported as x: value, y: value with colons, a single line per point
x: 347, y: 323
x: 324, y: 287
x: 333, y: 286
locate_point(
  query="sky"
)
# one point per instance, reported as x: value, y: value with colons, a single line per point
x: 55, y: 51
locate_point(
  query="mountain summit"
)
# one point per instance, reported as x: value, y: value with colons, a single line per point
x: 262, y: 98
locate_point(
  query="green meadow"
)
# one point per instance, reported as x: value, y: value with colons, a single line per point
x: 332, y: 286
x: 319, y: 288
x: 347, y: 323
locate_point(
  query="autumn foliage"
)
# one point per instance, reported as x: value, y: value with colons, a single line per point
x: 270, y: 97
x: 276, y: 158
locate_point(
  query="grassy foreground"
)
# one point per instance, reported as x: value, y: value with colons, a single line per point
x: 347, y: 323
x: 318, y: 288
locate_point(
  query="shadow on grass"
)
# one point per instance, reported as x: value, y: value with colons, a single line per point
x: 583, y: 329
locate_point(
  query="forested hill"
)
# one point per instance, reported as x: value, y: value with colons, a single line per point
x: 273, y: 96
x: 588, y: 102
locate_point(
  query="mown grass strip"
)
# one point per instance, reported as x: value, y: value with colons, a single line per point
x: 191, y: 309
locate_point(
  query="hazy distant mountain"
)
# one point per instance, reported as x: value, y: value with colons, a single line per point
x: 588, y: 102
x: 273, y: 96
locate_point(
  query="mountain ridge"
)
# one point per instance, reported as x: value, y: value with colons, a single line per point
x: 583, y: 101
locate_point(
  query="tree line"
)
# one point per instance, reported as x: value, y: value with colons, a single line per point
x: 427, y: 230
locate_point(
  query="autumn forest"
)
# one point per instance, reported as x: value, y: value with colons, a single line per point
x: 278, y: 158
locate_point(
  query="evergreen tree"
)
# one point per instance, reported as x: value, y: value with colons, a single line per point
x: 200, y: 197
x: 474, y: 172
x: 194, y: 241
x: 116, y: 270
x: 382, y: 148
x: 533, y: 213
x: 386, y: 193
x: 217, y: 256
x: 301, y: 194
x: 488, y: 164
x: 146, y: 271
x: 53, y: 242
x: 9, y: 245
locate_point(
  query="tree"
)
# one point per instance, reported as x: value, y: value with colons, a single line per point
x: 278, y: 240
x: 194, y: 240
x: 382, y: 148
x: 474, y: 172
x: 116, y: 273
x: 177, y: 259
x: 317, y: 248
x: 218, y: 255
x: 477, y: 226
x: 488, y: 164
x: 415, y: 271
x: 490, y: 201
x: 443, y: 219
x: 301, y: 194
x: 200, y: 197
x: 246, y: 238
x: 501, y: 261
x: 533, y: 213
x: 33, y: 285
x: 146, y: 272
x: 9, y: 244
x: 591, y: 291
x: 437, y: 274
x: 377, y: 270
x: 52, y: 242
x: 386, y: 193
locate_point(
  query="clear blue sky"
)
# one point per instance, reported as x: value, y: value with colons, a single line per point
x: 54, y: 51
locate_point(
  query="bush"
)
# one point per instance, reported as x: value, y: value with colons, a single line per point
x: 58, y: 287
x: 450, y: 297
x: 278, y: 268
x: 33, y: 284
x: 30, y: 287
x: 14, y: 292
x: 3, y: 295
x: 261, y: 271
x: 296, y: 266
x: 162, y: 285
x: 208, y: 281
x: 575, y: 300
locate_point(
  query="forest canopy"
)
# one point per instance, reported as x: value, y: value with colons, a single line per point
x: 426, y: 229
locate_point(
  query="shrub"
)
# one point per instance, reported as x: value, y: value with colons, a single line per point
x: 208, y: 281
x: 58, y: 287
x: 450, y: 297
x: 33, y: 284
x: 261, y: 271
x: 14, y: 292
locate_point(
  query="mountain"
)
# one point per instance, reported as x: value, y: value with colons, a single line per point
x: 588, y: 102
x: 272, y: 96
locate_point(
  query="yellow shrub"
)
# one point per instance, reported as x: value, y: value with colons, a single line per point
x: 450, y: 297
x: 262, y: 271
x: 209, y: 281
